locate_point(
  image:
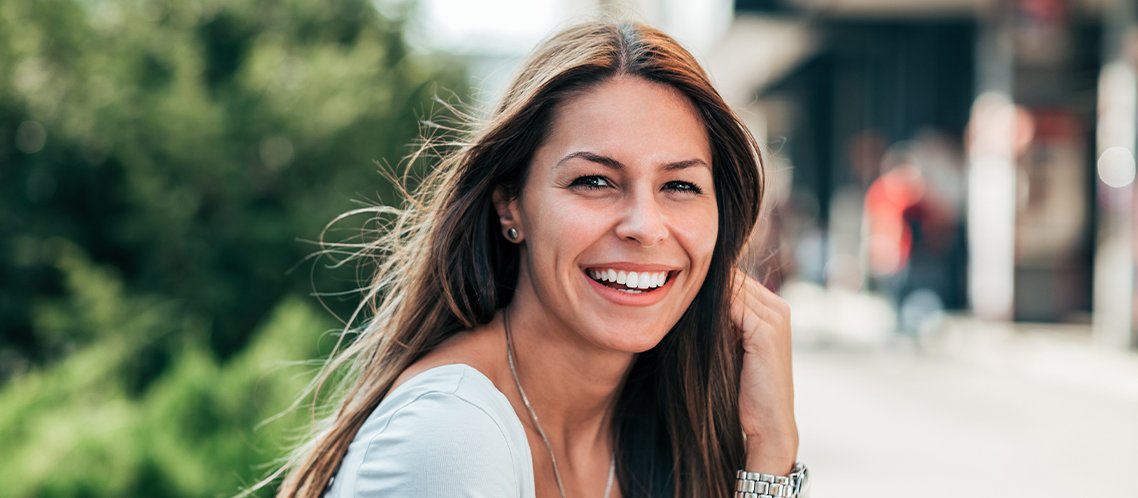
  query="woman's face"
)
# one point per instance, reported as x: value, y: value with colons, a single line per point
x: 618, y: 214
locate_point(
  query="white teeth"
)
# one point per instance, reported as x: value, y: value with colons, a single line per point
x: 647, y: 280
x: 633, y: 281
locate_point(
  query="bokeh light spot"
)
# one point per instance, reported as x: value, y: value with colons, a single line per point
x: 1116, y: 167
x: 30, y: 137
x: 276, y: 152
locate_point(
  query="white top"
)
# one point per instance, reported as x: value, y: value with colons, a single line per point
x: 445, y: 432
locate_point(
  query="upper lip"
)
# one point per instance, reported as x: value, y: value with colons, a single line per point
x: 628, y: 266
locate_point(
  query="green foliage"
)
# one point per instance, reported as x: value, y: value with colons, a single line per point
x: 189, y: 144
x: 73, y: 430
x: 159, y: 161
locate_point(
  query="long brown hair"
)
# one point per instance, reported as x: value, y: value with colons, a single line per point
x: 441, y: 266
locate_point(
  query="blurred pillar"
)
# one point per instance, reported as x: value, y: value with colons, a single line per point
x: 991, y: 170
x: 1115, y: 323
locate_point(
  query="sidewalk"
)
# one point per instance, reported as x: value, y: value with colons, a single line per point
x: 978, y: 410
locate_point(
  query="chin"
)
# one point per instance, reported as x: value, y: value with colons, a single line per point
x: 632, y: 338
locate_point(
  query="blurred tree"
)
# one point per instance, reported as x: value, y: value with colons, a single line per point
x: 158, y: 162
x: 73, y: 430
x: 187, y: 145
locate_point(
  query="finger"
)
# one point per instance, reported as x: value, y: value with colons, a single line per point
x: 749, y: 310
x: 769, y: 297
x: 763, y: 321
x: 768, y: 305
x: 774, y: 307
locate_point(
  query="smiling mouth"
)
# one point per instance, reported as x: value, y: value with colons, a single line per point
x: 630, y: 282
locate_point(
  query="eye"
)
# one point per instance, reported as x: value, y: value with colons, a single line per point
x: 683, y: 187
x: 593, y: 182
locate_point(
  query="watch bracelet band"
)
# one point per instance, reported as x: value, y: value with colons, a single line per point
x: 756, y: 485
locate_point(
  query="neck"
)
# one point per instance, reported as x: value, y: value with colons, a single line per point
x: 572, y: 385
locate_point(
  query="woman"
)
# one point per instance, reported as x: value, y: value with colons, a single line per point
x: 558, y: 312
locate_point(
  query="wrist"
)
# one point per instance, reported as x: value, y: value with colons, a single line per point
x: 770, y: 455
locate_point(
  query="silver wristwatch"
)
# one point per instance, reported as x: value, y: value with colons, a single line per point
x: 756, y: 485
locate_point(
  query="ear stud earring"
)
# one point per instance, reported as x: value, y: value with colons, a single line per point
x: 512, y: 234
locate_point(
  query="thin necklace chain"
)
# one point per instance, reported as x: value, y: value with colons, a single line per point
x: 533, y: 415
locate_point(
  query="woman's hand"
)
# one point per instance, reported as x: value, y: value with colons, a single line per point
x: 766, y: 389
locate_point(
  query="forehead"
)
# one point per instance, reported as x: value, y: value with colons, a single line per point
x: 631, y: 119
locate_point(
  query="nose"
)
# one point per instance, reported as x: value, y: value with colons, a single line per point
x: 643, y: 221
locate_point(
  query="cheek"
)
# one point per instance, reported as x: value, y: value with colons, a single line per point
x: 697, y: 230
x: 558, y: 229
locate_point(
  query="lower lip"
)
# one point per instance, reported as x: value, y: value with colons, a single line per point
x: 644, y: 298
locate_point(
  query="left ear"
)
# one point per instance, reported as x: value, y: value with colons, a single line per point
x: 507, y: 207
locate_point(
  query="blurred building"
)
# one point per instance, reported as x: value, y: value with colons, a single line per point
x: 971, y: 155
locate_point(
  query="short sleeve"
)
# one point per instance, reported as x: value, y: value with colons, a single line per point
x: 438, y: 445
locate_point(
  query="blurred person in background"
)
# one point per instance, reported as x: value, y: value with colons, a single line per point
x: 558, y: 309
x: 911, y: 225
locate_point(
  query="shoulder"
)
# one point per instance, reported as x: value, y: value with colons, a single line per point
x: 481, y: 349
x: 452, y: 398
x: 445, y: 432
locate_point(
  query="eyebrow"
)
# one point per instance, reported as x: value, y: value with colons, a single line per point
x: 617, y: 165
